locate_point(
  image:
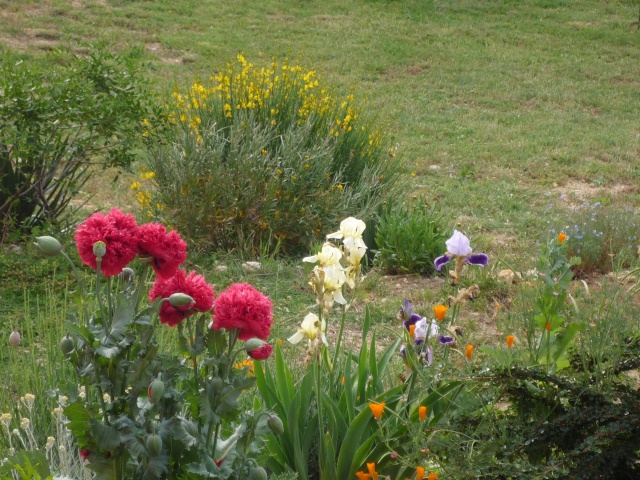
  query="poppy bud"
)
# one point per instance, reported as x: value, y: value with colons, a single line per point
x: 127, y: 274
x: 180, y: 300
x: 67, y: 345
x: 275, y: 424
x: 49, y: 246
x: 99, y: 249
x: 14, y: 339
x: 156, y: 390
x: 154, y: 444
x: 253, y: 344
x: 258, y: 473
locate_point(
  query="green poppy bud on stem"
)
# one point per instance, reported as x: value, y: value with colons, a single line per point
x: 156, y: 390
x: 154, y: 444
x: 253, y: 344
x: 275, y: 424
x: 99, y: 249
x: 258, y: 473
x: 67, y: 345
x: 180, y: 300
x: 49, y: 246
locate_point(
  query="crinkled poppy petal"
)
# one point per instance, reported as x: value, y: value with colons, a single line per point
x: 440, y: 261
x: 478, y: 259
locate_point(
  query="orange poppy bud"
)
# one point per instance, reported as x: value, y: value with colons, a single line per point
x: 422, y: 412
x: 440, y: 311
x: 469, y: 351
x: 377, y: 409
x: 562, y: 237
x: 510, y: 340
x: 419, y: 473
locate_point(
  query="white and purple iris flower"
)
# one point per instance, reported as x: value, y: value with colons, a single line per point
x: 458, y: 247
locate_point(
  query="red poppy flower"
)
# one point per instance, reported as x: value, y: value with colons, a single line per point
x: 118, y: 231
x: 193, y: 285
x: 261, y: 353
x: 84, y: 454
x: 243, y: 307
x: 168, y: 250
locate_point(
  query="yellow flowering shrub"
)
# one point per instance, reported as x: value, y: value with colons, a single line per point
x: 266, y: 157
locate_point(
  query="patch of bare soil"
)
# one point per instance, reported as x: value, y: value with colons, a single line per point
x: 166, y: 56
x: 575, y: 192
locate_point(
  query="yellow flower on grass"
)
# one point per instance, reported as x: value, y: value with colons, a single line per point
x: 377, y: 409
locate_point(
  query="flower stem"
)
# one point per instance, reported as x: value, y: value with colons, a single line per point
x: 99, y: 298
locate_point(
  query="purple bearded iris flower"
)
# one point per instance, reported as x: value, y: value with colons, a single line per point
x: 406, y: 314
x: 458, y: 247
x: 446, y: 340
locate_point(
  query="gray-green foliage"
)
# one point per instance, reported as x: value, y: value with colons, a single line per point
x: 410, y: 238
x: 57, y: 121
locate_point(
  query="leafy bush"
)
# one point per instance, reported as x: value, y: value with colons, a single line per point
x: 55, y: 123
x: 409, y: 239
x: 266, y: 157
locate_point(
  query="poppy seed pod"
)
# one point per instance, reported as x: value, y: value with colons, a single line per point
x: 49, y: 246
x: 99, y: 249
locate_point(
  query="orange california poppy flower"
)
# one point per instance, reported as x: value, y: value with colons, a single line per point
x: 432, y: 476
x: 422, y: 412
x: 547, y: 326
x: 363, y: 476
x: 372, y: 470
x: 440, y: 311
x: 469, y: 351
x: 419, y: 473
x: 562, y: 237
x: 377, y: 409
x: 510, y: 340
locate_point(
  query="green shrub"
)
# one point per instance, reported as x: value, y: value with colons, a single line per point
x: 266, y: 157
x: 409, y: 239
x: 56, y: 122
